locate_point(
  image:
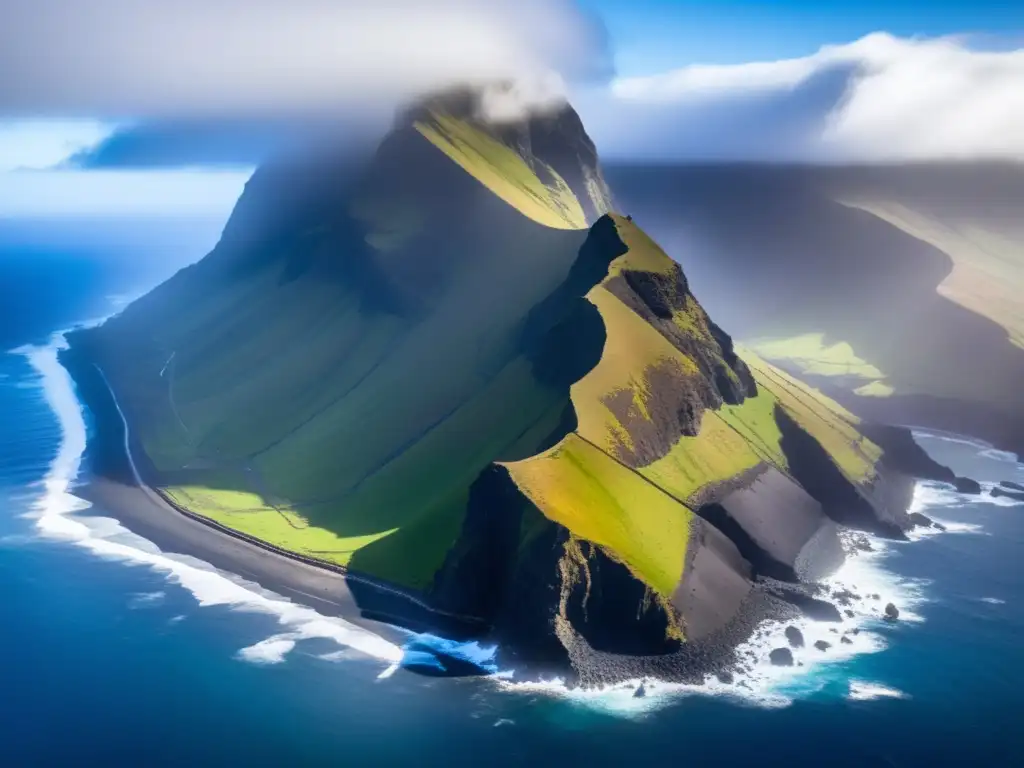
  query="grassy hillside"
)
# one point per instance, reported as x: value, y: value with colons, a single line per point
x: 451, y: 372
x: 896, y: 288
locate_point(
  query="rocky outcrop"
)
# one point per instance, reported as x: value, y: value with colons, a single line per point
x: 967, y: 485
x: 998, y: 491
x: 781, y: 657
x: 795, y: 637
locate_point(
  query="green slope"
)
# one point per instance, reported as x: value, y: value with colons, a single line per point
x: 454, y: 374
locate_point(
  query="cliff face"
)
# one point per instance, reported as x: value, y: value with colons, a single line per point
x: 899, y: 290
x: 452, y: 370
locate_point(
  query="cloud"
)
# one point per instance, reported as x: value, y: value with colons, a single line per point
x: 880, y: 98
x: 208, y: 143
x: 217, y: 58
x: 34, y: 144
x: 122, y: 194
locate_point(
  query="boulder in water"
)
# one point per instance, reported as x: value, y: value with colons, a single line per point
x: 1015, y: 495
x: 781, y: 657
x: 795, y: 637
x: 921, y: 520
x: 891, y: 612
x: 966, y: 485
x: 1012, y: 485
x: 821, y: 645
x: 845, y: 640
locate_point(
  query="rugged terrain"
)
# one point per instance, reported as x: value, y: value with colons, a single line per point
x: 897, y: 289
x: 454, y: 372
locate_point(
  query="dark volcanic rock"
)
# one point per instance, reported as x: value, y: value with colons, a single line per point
x: 821, y: 645
x: 1012, y: 485
x: 891, y: 612
x: 918, y: 519
x: 849, y: 614
x: 966, y: 485
x: 845, y: 597
x: 845, y: 640
x: 902, y: 453
x: 640, y: 692
x: 781, y: 657
x: 1016, y: 495
x: 795, y: 637
x: 811, y: 607
x: 725, y: 676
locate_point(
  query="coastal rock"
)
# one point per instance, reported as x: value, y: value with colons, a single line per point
x: 1015, y: 495
x: 1012, y: 485
x: 845, y: 596
x: 795, y: 637
x: 921, y: 520
x: 781, y: 657
x: 891, y: 612
x: 725, y: 676
x: 845, y: 640
x: 797, y: 595
x: 821, y: 645
x: 849, y: 614
x: 875, y: 597
x: 966, y: 485
x: 640, y: 692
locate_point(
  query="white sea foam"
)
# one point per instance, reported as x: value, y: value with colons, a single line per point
x: 992, y: 600
x: 270, y: 651
x: 146, y: 600
x: 928, y: 493
x: 861, y: 690
x: 997, y: 455
x: 54, y: 518
x: 759, y: 684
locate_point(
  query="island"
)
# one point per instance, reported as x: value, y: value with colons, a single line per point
x: 451, y: 387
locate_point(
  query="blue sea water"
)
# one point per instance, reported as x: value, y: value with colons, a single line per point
x: 113, y: 654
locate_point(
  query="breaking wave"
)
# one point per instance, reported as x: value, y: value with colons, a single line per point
x: 54, y: 518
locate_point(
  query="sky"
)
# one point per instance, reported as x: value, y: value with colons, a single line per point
x: 146, y: 108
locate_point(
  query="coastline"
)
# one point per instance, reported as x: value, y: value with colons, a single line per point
x: 116, y: 487
x: 758, y: 683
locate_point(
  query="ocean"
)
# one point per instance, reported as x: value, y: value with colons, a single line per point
x: 112, y: 653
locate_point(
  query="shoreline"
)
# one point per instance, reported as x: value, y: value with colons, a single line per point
x: 303, y: 583
x: 118, y: 489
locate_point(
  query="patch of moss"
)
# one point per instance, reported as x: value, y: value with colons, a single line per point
x: 505, y: 172
x: 596, y: 498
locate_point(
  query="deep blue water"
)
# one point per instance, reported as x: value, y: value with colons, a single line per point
x: 107, y: 662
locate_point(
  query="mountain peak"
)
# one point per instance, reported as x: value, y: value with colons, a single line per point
x: 546, y: 154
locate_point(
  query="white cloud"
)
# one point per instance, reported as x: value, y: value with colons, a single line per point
x: 141, y: 58
x: 43, y: 144
x: 901, y: 99
x: 123, y: 194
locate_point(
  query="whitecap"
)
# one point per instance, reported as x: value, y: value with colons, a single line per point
x: 996, y: 455
x: 928, y: 494
x: 54, y: 518
x: 146, y: 600
x: 270, y: 651
x: 861, y: 690
x: 992, y: 600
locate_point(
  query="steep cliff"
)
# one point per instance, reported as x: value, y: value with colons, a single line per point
x: 898, y: 289
x: 453, y: 370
